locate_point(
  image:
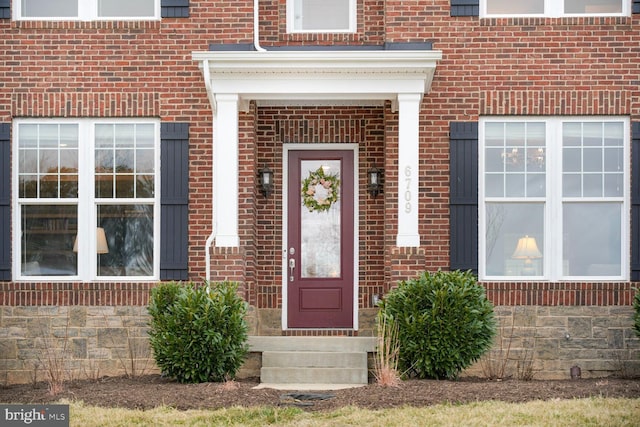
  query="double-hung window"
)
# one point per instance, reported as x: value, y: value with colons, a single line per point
x: 321, y: 16
x: 554, y: 8
x: 86, y: 10
x: 554, y: 198
x: 86, y: 199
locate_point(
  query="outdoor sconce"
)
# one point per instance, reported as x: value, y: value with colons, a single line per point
x: 374, y: 186
x: 266, y: 181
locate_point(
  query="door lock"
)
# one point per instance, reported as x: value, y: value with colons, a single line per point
x: 292, y: 266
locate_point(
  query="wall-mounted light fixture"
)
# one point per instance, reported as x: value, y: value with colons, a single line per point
x: 265, y: 175
x: 374, y: 178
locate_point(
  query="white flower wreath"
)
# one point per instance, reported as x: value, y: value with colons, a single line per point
x: 320, y: 190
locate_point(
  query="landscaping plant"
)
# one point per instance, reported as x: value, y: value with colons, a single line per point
x: 198, y: 333
x: 387, y: 352
x: 445, y: 323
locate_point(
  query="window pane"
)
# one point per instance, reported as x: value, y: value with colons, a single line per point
x: 321, y: 15
x: 591, y: 240
x: 592, y: 160
x: 515, y: 185
x: 515, y: 150
x: 320, y: 250
x: 47, y: 244
x: 129, y: 234
x: 494, y: 160
x: 104, y: 136
x: 48, y: 161
x: 572, y: 185
x: 494, y: 185
x: 125, y: 151
x: 536, y: 185
x: 592, y: 185
x: 125, y: 8
x: 506, y: 225
x: 591, y: 149
x: 613, y: 186
x: 49, y: 8
x: 593, y: 6
x: 510, y: 7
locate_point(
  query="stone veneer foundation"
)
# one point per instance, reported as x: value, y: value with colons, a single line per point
x: 542, y: 341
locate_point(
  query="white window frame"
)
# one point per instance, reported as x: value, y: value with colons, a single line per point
x: 86, y: 202
x: 87, y: 11
x: 554, y: 200
x: 554, y: 9
x: 353, y: 20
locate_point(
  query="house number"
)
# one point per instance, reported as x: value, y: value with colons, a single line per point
x: 407, y: 192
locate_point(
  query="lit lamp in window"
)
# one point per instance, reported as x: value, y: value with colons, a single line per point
x: 527, y: 250
x: 101, y: 242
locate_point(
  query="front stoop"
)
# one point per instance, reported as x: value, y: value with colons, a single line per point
x: 313, y: 362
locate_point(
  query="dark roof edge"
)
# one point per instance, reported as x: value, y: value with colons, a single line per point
x: 247, y: 47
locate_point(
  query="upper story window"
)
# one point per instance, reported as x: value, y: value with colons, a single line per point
x: 86, y: 10
x: 321, y: 16
x: 86, y: 199
x: 554, y: 198
x: 554, y: 8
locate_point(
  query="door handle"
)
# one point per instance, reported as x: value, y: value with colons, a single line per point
x: 292, y: 266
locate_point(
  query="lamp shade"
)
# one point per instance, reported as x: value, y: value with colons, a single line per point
x: 101, y: 242
x: 527, y: 249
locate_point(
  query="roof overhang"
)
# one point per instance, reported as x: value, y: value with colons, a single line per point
x: 317, y: 77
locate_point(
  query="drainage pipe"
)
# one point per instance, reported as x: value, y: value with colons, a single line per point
x: 256, y: 27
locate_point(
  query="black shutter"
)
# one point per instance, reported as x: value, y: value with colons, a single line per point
x: 174, y: 8
x: 635, y: 201
x: 5, y: 9
x: 465, y: 7
x: 463, y: 203
x: 174, y: 201
x: 636, y: 6
x: 5, y: 201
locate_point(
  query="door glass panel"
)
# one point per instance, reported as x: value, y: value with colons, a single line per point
x: 320, y: 218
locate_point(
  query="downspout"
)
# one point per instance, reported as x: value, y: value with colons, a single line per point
x: 256, y: 27
x: 212, y: 100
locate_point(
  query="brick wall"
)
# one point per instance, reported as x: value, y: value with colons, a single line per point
x: 581, y: 66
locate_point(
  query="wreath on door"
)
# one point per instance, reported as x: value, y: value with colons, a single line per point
x: 320, y: 190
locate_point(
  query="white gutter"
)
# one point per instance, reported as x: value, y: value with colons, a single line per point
x: 212, y: 100
x: 207, y: 254
x: 256, y: 27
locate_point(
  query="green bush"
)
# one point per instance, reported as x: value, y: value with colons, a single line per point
x: 198, y: 333
x: 636, y: 316
x: 445, y: 323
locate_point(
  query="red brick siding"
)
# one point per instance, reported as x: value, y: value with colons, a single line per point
x: 581, y: 66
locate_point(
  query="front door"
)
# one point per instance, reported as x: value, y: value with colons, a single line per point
x: 319, y: 264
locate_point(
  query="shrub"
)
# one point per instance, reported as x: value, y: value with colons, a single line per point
x: 636, y: 315
x: 445, y: 323
x: 198, y: 333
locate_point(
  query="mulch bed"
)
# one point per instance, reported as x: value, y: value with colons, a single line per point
x: 153, y: 390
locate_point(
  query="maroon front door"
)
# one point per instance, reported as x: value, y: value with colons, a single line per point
x: 320, y: 239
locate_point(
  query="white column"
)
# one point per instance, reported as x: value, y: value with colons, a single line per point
x: 408, y: 153
x: 225, y: 170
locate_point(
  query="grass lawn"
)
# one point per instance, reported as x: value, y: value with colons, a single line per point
x: 579, y: 412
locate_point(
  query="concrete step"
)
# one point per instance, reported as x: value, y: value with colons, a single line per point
x: 314, y: 375
x: 280, y: 343
x: 314, y: 359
